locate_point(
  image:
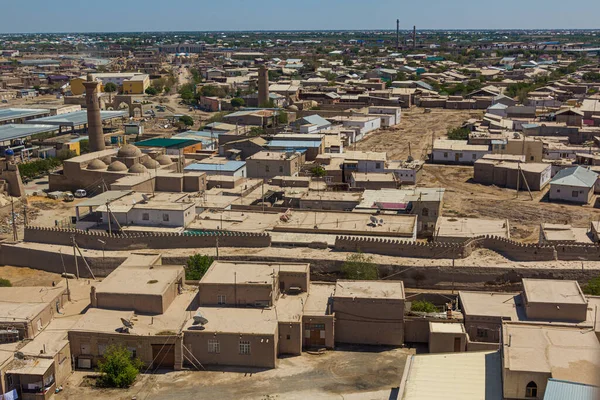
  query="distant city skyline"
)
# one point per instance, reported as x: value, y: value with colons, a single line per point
x: 37, y: 16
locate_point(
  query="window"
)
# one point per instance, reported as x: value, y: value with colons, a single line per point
x: 214, y: 346
x: 289, y: 337
x: 445, y: 155
x: 101, y: 348
x: 266, y: 168
x: 474, y: 156
x: 9, y: 380
x: 531, y: 158
x: 531, y: 389
x: 482, y: 333
x: 146, y: 216
x: 165, y: 217
x: 575, y: 193
x: 281, y: 168
x: 244, y: 347
x: 377, y: 165
x: 221, y: 299
x: 132, y: 351
x: 425, y: 212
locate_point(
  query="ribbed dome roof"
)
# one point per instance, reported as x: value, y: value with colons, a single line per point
x: 150, y: 163
x: 129, y: 150
x: 137, y: 169
x: 96, y: 164
x: 164, y: 160
x: 117, y: 166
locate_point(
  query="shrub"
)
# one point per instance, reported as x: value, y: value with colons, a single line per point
x: 360, y: 267
x: 237, y: 102
x: 423, y: 306
x: 318, y: 171
x: 152, y: 91
x: 186, y: 120
x: 197, y: 265
x: 458, y: 134
x: 118, y: 369
x: 38, y: 167
x: 593, y: 287
x: 5, y: 283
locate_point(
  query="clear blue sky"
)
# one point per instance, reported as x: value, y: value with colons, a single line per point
x: 208, y: 15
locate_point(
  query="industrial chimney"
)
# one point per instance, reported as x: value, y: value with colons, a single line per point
x: 414, y: 37
x: 95, y: 132
x: 263, y: 85
x: 397, y: 35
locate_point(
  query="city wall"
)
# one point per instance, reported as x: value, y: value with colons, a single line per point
x: 144, y: 240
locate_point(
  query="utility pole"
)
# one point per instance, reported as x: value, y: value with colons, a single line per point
x: 65, y: 274
x: 263, y: 196
x: 24, y: 214
x: 108, y: 214
x: 217, y: 245
x: 14, y: 223
x: 75, y: 256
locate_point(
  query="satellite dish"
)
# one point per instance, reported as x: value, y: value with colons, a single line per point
x: 381, y: 221
x: 199, y: 318
x: 127, y: 323
x: 145, y: 197
x: 373, y: 219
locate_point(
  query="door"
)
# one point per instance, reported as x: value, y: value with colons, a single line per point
x: 457, y: 157
x: 456, y: 344
x: 163, y: 356
x: 314, y: 335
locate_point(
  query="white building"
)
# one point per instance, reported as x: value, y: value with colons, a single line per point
x: 406, y: 172
x: 390, y: 116
x: 457, y: 152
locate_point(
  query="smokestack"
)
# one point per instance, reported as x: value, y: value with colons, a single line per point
x: 397, y: 35
x: 414, y: 37
x: 263, y: 85
x: 95, y: 132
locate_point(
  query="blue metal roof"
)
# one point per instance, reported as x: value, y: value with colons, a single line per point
x: 562, y: 390
x: 7, y: 114
x: 575, y: 176
x: 19, y: 131
x: 292, y: 144
x: 229, y: 166
x: 75, y: 118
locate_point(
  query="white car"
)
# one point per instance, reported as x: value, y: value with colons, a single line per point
x: 79, y: 193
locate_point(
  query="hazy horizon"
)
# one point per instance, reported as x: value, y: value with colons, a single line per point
x: 117, y: 16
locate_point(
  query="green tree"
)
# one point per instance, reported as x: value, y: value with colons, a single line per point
x: 110, y: 87
x: 593, y: 287
x: 256, y: 131
x: 282, y: 117
x: 423, y: 306
x: 318, y: 171
x: 360, y: 267
x: 237, y: 102
x: 118, y: 369
x: 151, y: 91
x: 5, y: 283
x: 197, y: 265
x: 84, y: 146
x: 458, y: 134
x: 186, y: 120
x: 591, y: 76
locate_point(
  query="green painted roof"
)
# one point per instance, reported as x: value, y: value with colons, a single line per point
x: 170, y: 143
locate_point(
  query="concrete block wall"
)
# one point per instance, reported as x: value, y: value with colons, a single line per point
x: 517, y: 251
x: 144, y: 240
x: 401, y: 248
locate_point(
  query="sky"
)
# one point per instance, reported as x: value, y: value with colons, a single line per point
x: 24, y: 16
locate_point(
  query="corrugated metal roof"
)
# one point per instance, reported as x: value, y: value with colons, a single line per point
x: 290, y: 144
x: 562, y: 390
x: 7, y: 114
x: 74, y: 119
x: 229, y: 166
x: 167, y: 143
x: 17, y: 131
x: 575, y: 176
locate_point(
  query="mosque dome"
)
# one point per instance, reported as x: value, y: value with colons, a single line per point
x: 129, y: 150
x: 117, y: 166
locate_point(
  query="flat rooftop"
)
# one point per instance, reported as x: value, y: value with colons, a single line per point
x: 319, y: 294
x: 150, y: 280
x: 445, y: 327
x: 230, y: 272
x: 566, y: 233
x: 566, y: 353
x: 373, y: 177
x: 490, y: 304
x: 458, y: 145
x: 290, y: 307
x: 32, y: 294
x: 18, y: 131
x: 454, y: 376
x: 472, y: 227
x: 249, y: 321
x: 370, y: 289
x: 553, y: 291
x: 30, y: 366
x: 19, y: 312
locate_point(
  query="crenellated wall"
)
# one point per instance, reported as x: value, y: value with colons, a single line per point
x: 402, y: 248
x: 144, y: 240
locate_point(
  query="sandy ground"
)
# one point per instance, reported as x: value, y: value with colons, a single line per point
x: 464, y: 198
x: 416, y: 129
x: 347, y: 372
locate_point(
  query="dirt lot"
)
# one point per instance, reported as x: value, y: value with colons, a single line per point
x: 21, y: 276
x: 350, y: 373
x: 416, y: 128
x: 464, y: 197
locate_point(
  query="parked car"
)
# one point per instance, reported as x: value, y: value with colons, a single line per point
x: 68, y: 197
x: 79, y: 193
